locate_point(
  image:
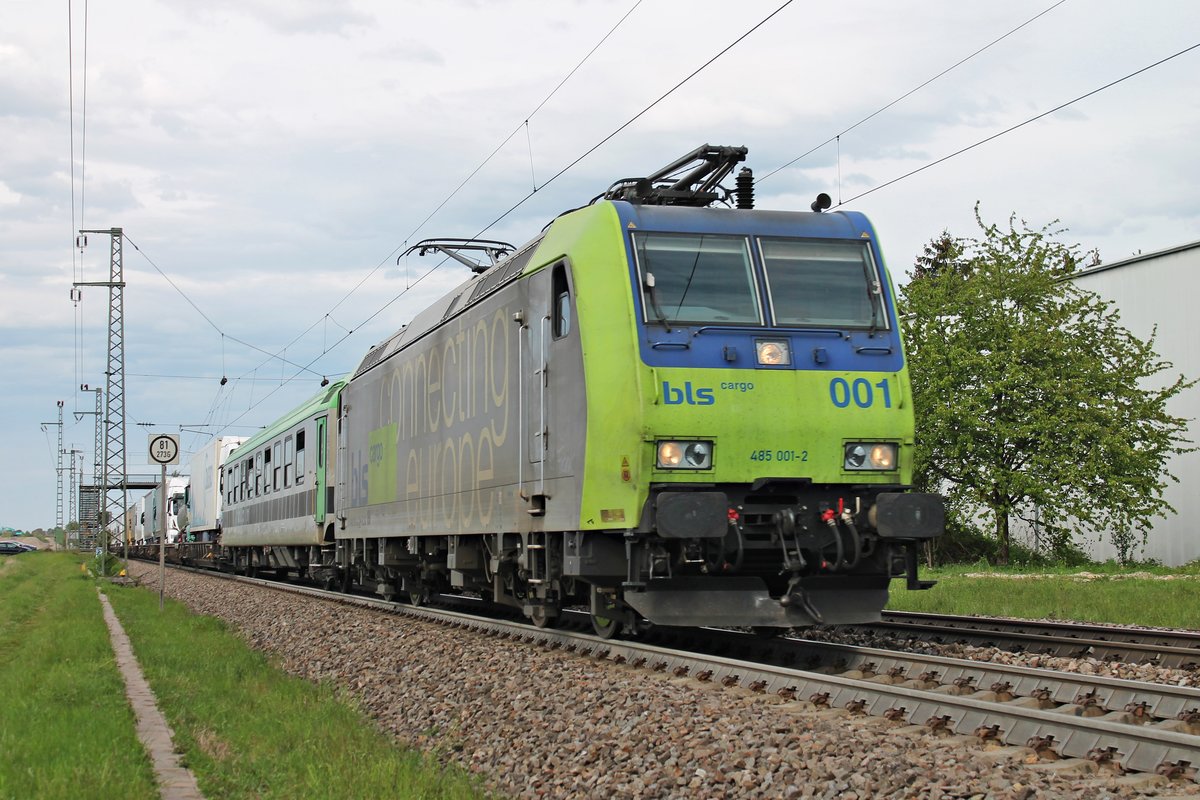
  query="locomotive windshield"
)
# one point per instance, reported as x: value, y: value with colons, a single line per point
x: 822, y: 282
x: 710, y: 279
x: 697, y: 278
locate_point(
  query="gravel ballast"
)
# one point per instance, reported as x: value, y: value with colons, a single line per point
x: 537, y: 723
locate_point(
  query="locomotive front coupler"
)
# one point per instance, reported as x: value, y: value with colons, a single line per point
x: 796, y: 596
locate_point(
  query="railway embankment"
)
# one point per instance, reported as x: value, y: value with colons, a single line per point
x: 545, y: 723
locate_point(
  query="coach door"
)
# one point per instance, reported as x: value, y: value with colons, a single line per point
x: 319, y: 466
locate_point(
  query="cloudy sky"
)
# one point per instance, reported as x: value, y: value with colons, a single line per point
x: 271, y: 159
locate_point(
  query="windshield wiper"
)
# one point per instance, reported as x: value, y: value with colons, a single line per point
x: 875, y: 297
x: 662, y: 318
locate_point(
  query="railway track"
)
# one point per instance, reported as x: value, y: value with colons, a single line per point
x: 1164, y: 648
x: 1120, y: 724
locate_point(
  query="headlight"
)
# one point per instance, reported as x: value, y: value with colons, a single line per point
x: 870, y: 455
x: 773, y: 352
x: 685, y: 455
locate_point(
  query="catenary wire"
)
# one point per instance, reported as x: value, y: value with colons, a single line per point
x: 1022, y: 124
x: 215, y: 327
x: 557, y: 175
x: 636, y: 116
x: 994, y: 136
x: 525, y: 122
x: 911, y: 92
x: 387, y: 259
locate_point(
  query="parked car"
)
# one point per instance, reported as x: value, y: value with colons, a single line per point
x: 13, y: 548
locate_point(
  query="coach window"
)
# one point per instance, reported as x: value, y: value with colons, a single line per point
x: 258, y: 474
x: 267, y: 463
x: 299, y: 457
x: 287, y: 462
x: 247, y: 482
x: 278, y: 462
x: 562, y: 301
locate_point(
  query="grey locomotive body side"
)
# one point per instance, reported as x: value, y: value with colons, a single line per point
x: 452, y: 438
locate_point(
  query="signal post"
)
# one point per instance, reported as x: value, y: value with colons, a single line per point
x: 164, y: 450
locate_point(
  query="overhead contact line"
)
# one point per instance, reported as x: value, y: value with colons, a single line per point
x: 1035, y: 118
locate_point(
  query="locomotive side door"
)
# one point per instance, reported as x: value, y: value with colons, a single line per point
x: 534, y: 397
x: 551, y: 388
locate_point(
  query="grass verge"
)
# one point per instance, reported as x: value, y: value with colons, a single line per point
x: 247, y: 730
x: 66, y: 730
x: 1155, y: 596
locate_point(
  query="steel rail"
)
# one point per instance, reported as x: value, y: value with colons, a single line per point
x: 1186, y: 639
x: 1173, y: 649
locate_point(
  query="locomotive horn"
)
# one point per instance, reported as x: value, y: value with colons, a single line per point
x: 821, y: 203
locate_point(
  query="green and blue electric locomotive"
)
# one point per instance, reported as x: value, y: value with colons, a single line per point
x: 658, y: 409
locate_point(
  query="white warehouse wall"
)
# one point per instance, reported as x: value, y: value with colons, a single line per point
x: 1162, y: 289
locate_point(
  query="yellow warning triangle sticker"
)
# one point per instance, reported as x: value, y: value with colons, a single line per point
x: 631, y: 224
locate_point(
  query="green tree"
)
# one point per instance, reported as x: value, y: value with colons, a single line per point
x: 1032, y: 401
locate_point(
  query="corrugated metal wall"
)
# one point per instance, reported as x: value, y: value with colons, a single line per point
x: 1163, y: 289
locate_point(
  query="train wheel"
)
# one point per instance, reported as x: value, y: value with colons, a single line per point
x: 541, y: 618
x: 420, y: 596
x: 606, y: 627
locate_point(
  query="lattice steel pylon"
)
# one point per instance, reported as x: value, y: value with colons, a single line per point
x: 58, y: 512
x: 115, y: 464
x: 58, y: 470
x: 98, y: 469
x: 71, y: 514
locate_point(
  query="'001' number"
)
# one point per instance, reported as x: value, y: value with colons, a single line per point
x: 861, y: 392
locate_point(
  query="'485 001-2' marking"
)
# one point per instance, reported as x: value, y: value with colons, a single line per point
x: 860, y: 391
x: 779, y: 455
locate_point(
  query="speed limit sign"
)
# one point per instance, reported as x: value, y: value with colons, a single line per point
x: 164, y: 448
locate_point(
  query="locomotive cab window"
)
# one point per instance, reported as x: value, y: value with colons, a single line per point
x: 700, y: 278
x: 823, y: 282
x: 562, y: 302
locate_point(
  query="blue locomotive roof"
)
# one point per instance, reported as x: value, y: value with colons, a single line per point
x: 682, y: 219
